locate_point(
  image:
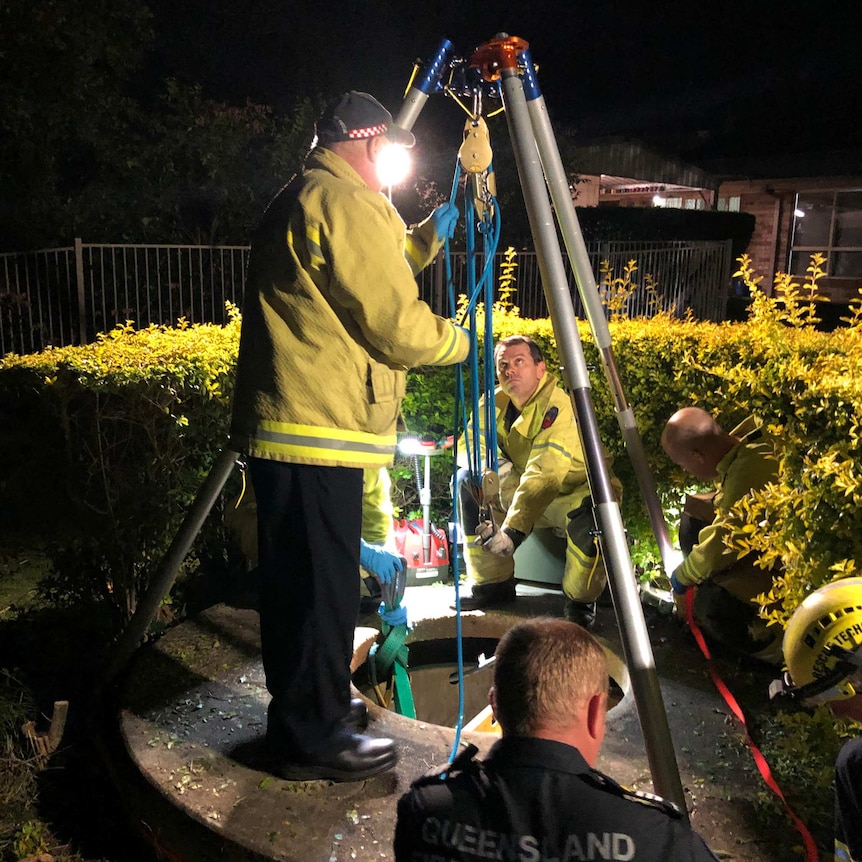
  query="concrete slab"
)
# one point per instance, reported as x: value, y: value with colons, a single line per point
x: 192, y: 717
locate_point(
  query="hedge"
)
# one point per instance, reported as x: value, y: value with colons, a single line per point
x: 126, y: 429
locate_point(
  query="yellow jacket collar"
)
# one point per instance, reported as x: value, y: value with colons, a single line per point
x: 534, y: 410
x: 322, y: 159
x: 743, y: 433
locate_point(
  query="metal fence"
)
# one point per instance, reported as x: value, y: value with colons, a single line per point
x: 61, y: 296
x: 671, y: 276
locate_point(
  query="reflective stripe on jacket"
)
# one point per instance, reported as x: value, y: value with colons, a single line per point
x: 331, y: 322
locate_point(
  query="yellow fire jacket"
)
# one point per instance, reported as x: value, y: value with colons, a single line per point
x: 331, y: 322
x: 748, y: 466
x: 548, y: 476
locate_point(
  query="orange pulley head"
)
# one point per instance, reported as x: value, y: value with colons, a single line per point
x: 501, y: 52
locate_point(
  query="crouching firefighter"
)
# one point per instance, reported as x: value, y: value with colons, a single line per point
x: 545, y: 486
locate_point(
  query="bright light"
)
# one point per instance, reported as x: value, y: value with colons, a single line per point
x: 393, y: 165
x: 410, y: 446
x: 799, y: 213
x: 658, y: 201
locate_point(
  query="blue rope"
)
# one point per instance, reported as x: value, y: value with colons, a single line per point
x: 482, y: 286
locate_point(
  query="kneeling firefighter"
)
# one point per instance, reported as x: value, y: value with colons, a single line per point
x: 546, y: 486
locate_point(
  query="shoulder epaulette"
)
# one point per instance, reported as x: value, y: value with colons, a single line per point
x: 603, y: 782
x: 465, y: 761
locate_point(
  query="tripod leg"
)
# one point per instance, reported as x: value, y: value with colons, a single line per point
x: 635, y: 640
x: 163, y: 579
x: 555, y: 177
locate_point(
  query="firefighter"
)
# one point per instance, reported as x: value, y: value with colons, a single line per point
x: 823, y: 652
x: 377, y: 533
x: 739, y: 462
x: 377, y: 536
x: 331, y: 322
x: 545, y: 486
x: 537, y: 795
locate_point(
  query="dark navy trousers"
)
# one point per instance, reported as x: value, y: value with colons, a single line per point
x: 309, y: 528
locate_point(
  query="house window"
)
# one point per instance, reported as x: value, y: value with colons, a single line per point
x: 730, y: 205
x: 829, y: 223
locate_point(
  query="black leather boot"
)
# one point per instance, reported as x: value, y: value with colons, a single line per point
x: 489, y: 595
x: 582, y: 613
x: 357, y: 718
x: 346, y: 757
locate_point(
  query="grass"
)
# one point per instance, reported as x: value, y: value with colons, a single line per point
x: 62, y: 807
x: 20, y: 573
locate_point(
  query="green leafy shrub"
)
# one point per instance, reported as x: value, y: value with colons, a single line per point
x: 804, y: 385
x: 801, y: 748
x: 18, y: 766
x: 129, y: 427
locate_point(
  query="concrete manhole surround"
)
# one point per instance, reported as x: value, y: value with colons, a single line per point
x: 192, y: 719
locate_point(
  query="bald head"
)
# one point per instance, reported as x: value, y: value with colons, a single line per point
x: 693, y: 440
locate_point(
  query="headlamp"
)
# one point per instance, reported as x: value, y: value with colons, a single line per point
x: 393, y: 165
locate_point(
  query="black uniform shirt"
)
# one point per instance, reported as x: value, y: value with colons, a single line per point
x: 534, y: 800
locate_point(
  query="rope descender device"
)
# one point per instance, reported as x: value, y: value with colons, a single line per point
x: 490, y: 494
x: 475, y: 156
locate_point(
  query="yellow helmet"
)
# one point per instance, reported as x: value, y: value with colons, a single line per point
x: 823, y: 643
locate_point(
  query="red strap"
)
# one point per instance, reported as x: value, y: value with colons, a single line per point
x: 810, y: 847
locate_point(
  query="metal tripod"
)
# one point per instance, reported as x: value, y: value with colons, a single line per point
x: 538, y: 161
x: 506, y: 59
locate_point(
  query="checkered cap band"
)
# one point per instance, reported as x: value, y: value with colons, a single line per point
x: 367, y: 132
x: 356, y: 116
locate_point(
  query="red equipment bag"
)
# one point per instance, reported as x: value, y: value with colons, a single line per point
x: 409, y: 544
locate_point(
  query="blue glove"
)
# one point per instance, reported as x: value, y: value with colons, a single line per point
x: 395, y: 617
x: 379, y: 562
x: 444, y: 218
x: 678, y: 588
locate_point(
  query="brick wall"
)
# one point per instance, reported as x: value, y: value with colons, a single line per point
x: 767, y: 209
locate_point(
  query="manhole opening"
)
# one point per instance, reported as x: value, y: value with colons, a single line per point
x: 432, y: 663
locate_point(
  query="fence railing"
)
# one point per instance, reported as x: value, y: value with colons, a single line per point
x: 686, y: 275
x: 61, y: 296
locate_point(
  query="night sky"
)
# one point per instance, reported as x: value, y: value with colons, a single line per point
x: 722, y: 78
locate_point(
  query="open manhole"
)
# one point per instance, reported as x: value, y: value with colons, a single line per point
x: 433, y: 665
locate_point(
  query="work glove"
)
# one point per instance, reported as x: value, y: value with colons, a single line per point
x: 677, y: 586
x: 379, y: 562
x: 679, y: 591
x: 444, y: 218
x: 494, y: 541
x: 395, y: 617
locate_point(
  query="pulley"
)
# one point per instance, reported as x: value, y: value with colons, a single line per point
x: 475, y: 155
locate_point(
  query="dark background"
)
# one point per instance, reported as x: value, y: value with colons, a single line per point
x: 704, y: 79
x: 166, y: 121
